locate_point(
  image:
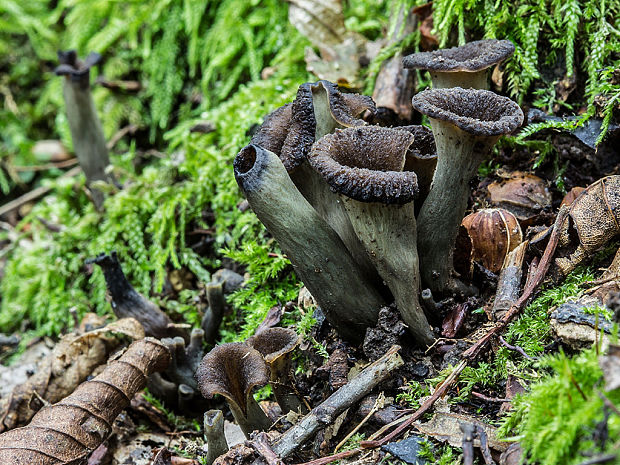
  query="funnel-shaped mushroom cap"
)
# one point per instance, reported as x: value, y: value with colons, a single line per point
x: 365, y: 164
x: 318, y: 109
x: 423, y: 146
x: 273, y: 343
x: 75, y: 69
x: 478, y: 112
x: 272, y: 133
x: 471, y: 57
x: 232, y: 370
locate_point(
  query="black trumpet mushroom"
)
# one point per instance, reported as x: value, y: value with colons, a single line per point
x: 466, y: 124
x: 365, y: 166
x: 350, y: 300
x: 464, y: 66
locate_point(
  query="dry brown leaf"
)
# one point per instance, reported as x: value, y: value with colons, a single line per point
x: 67, y: 432
x: 321, y: 21
x: 73, y: 359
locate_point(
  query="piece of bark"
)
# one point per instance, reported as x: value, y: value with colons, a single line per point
x: 73, y: 359
x: 67, y: 432
x: 340, y: 400
x: 509, y: 282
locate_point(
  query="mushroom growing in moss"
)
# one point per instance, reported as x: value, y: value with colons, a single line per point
x: 466, y: 124
x: 365, y: 166
x: 233, y: 370
x: 289, y: 131
x: 349, y: 299
x: 464, y: 66
x: 277, y: 345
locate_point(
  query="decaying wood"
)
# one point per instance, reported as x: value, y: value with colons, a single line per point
x: 343, y: 398
x: 67, y: 432
x: 74, y: 358
x: 509, y: 282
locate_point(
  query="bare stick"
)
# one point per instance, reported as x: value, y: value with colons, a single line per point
x: 509, y: 283
x: 515, y: 348
x: 340, y: 400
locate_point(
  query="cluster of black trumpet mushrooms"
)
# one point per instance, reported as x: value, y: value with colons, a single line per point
x: 369, y: 215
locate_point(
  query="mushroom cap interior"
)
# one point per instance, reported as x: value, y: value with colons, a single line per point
x: 274, y: 342
x: 365, y: 164
x: 423, y: 143
x: 471, y: 57
x: 232, y: 370
x: 478, y: 112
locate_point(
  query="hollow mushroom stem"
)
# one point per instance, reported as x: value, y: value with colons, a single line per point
x: 350, y: 301
x: 214, y: 434
x: 466, y: 124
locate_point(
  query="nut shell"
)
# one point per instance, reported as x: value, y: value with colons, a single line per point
x: 493, y: 232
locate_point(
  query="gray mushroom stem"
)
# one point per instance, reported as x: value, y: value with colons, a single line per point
x: 214, y: 434
x: 466, y: 124
x: 474, y: 79
x: 350, y: 301
x: 363, y: 165
x: 86, y: 131
x: 214, y: 313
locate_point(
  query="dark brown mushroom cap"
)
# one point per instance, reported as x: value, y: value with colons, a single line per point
x: 423, y: 141
x: 272, y: 133
x: 365, y: 164
x: 274, y: 342
x: 344, y: 108
x: 232, y: 370
x: 478, y: 112
x: 471, y: 57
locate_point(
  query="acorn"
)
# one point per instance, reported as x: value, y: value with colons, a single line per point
x: 492, y: 233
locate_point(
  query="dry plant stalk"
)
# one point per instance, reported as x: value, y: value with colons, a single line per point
x: 73, y: 359
x: 67, y: 432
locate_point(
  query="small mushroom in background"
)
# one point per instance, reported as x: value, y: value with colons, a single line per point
x: 523, y: 194
x: 492, y: 234
x: 86, y: 130
x: 364, y: 165
x: 277, y: 345
x: 214, y: 434
x: 214, y: 313
x: 290, y: 131
x: 177, y: 385
x: 465, y: 66
x: 233, y: 370
x: 128, y: 303
x: 351, y: 301
x: 466, y: 124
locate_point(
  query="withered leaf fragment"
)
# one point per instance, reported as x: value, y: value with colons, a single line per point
x: 593, y: 221
x: 67, y: 432
x: 72, y: 361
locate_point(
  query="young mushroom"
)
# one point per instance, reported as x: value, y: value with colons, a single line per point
x: 350, y: 301
x: 277, y: 345
x: 214, y: 434
x: 466, y: 124
x: 233, y: 370
x: 421, y: 158
x: 364, y: 165
x: 464, y: 66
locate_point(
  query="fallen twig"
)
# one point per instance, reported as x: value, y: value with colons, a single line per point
x: 516, y: 349
x: 340, y: 400
x: 487, y: 398
x: 484, y: 445
x: 469, y: 432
